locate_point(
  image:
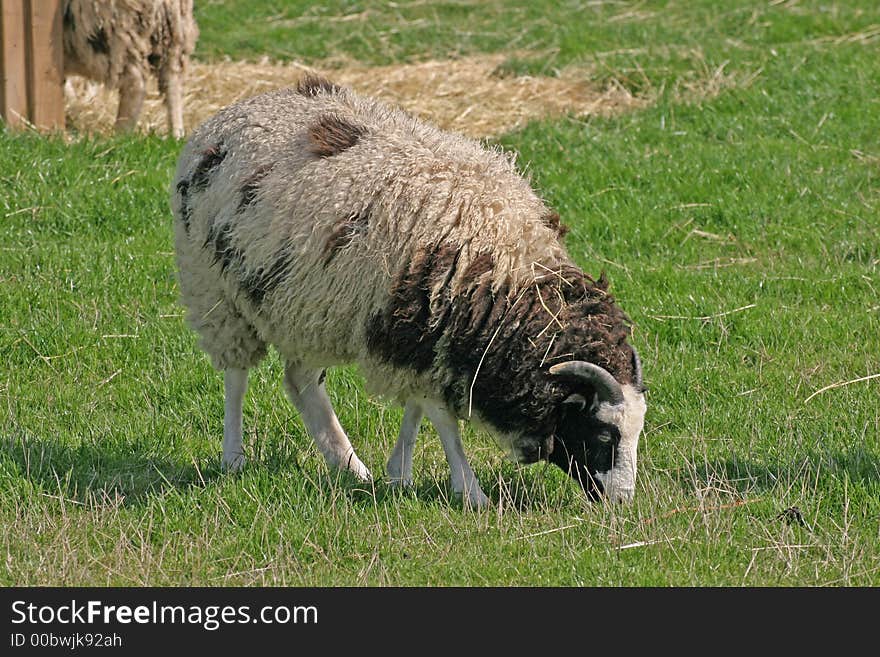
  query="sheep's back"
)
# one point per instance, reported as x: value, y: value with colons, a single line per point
x: 311, y: 205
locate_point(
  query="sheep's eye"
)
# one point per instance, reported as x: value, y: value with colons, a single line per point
x: 604, y: 437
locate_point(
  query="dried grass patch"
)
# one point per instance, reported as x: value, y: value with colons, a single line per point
x: 465, y: 95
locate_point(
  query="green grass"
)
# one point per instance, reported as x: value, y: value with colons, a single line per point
x: 634, y: 42
x: 741, y: 232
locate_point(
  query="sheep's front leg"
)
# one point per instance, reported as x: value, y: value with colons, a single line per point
x: 307, y: 393
x: 400, y: 465
x: 464, y: 481
x: 235, y: 384
x: 132, y: 89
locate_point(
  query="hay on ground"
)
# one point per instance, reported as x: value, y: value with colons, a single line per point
x: 465, y: 95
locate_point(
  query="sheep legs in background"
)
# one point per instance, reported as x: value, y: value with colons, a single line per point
x: 132, y: 89
x: 235, y: 383
x: 306, y: 391
x: 399, y: 465
x: 172, y: 85
x: 464, y: 481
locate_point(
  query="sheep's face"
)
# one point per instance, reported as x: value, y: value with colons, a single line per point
x: 596, y: 443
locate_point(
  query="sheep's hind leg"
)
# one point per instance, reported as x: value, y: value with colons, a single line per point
x: 307, y: 393
x: 464, y: 481
x: 235, y: 384
x: 399, y: 465
x: 132, y: 89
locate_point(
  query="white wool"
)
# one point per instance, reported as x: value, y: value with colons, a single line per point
x: 421, y: 185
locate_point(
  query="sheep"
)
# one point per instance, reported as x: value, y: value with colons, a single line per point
x: 341, y: 230
x: 119, y: 43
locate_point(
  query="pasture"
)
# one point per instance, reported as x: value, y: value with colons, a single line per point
x: 729, y: 186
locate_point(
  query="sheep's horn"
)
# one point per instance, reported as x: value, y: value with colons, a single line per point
x: 637, y: 368
x: 606, y: 385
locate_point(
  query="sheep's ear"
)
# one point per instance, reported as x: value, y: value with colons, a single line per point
x: 577, y: 400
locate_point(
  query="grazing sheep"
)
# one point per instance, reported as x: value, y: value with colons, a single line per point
x: 341, y: 230
x: 119, y: 43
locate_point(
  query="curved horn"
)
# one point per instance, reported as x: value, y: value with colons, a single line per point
x: 606, y: 385
x: 637, y: 368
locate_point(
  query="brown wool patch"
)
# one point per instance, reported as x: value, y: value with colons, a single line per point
x: 98, y: 42
x: 209, y: 160
x: 442, y: 264
x: 405, y: 333
x: 331, y: 135
x: 225, y: 251
x: 498, y: 346
x: 185, y: 208
x: 344, y: 232
x: 262, y: 282
x: 514, y: 340
x: 312, y: 84
x: 251, y: 185
x: 480, y: 265
x: 552, y: 221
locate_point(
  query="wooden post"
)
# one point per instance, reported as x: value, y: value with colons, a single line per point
x: 45, y: 76
x: 31, y: 64
x: 13, y: 87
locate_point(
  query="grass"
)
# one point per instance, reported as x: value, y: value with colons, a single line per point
x: 737, y: 222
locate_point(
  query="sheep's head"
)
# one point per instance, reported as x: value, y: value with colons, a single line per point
x: 598, y: 431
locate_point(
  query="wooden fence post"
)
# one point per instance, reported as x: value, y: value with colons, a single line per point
x: 31, y: 62
x: 13, y: 85
x: 45, y: 64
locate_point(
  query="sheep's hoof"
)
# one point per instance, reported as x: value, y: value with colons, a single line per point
x: 400, y: 482
x: 358, y: 469
x: 474, y: 499
x: 233, y: 462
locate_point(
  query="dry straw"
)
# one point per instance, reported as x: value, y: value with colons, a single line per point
x: 465, y: 95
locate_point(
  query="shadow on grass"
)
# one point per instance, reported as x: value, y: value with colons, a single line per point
x: 88, y: 472
x: 361, y: 494
x: 517, y: 488
x: 858, y: 466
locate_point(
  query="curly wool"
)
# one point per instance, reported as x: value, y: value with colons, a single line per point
x: 341, y: 230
